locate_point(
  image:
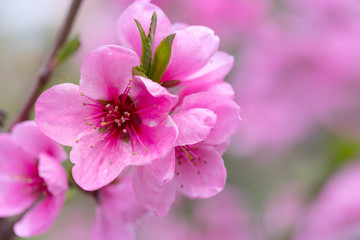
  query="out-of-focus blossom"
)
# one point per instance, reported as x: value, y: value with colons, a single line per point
x: 32, y: 179
x: 111, y: 120
x: 283, y: 211
x: 296, y: 75
x: 205, y: 122
x: 335, y: 214
x: 222, y: 217
x: 117, y: 212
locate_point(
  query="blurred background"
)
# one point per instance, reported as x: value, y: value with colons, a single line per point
x: 293, y: 166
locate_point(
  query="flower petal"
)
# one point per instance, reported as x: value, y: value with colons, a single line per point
x: 191, y: 50
x: 158, y: 141
x: 106, y: 71
x: 117, y: 212
x: 217, y: 68
x: 151, y: 184
x: 60, y: 112
x: 128, y: 32
x: 53, y: 174
x: 34, y: 142
x: 194, y: 125
x: 206, y: 178
x: 40, y: 218
x: 98, y: 163
x: 156, y: 99
x: 227, y: 111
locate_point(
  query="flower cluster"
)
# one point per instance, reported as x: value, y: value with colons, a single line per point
x: 149, y: 118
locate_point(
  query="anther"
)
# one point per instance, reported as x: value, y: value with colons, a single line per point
x: 145, y: 149
x: 85, y: 119
x: 124, y: 130
x: 108, y: 105
x: 154, y: 105
x: 205, y: 162
x: 102, y: 139
x: 134, y: 153
x: 194, y: 164
x: 103, y: 123
x: 92, y: 146
x: 77, y: 141
x: 84, y: 104
x: 179, y: 162
x: 89, y: 123
x: 117, y: 86
x: 81, y: 94
x: 198, y: 172
x: 178, y: 173
x: 182, y: 185
x: 110, y: 162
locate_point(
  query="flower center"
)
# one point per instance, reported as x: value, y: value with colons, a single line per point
x: 118, y: 118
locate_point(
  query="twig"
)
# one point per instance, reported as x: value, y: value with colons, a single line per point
x: 6, y: 225
x: 48, y: 67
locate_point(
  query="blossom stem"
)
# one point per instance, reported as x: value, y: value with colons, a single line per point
x: 50, y: 64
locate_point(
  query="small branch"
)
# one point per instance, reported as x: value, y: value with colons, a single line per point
x: 48, y: 67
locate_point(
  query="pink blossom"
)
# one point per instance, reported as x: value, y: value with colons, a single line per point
x: 194, y: 167
x: 193, y: 47
x: 335, y: 214
x: 111, y: 120
x: 31, y: 178
x: 117, y: 211
x: 224, y: 216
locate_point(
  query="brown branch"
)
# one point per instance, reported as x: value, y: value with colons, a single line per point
x: 6, y: 225
x: 47, y: 69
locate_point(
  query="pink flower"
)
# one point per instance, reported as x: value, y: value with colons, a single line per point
x: 111, y: 120
x: 195, y: 166
x: 31, y: 177
x: 224, y: 216
x: 117, y: 212
x: 335, y: 214
x: 192, y: 49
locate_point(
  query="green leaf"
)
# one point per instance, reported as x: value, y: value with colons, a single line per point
x: 147, y: 42
x: 143, y: 40
x: 138, y: 71
x: 67, y: 50
x: 161, y: 58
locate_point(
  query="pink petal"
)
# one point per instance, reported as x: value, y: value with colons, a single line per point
x: 53, y: 174
x: 34, y: 142
x: 13, y: 161
x: 60, y: 112
x: 106, y: 71
x: 117, y: 212
x: 40, y: 218
x: 128, y: 32
x: 158, y: 140
x: 191, y: 50
x: 217, y: 68
x: 194, y: 125
x: 156, y: 99
x: 227, y: 111
x: 152, y: 187
x: 98, y: 166
x: 14, y: 198
x: 205, y: 179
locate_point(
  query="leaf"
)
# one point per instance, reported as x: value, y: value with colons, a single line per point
x: 138, y: 71
x: 147, y: 42
x: 67, y: 50
x: 161, y: 58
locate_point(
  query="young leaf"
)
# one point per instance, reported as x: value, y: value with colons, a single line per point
x: 138, y: 71
x: 147, y: 42
x: 67, y: 50
x: 161, y: 58
x: 143, y: 40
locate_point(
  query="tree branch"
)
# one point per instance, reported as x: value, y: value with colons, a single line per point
x: 48, y: 67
